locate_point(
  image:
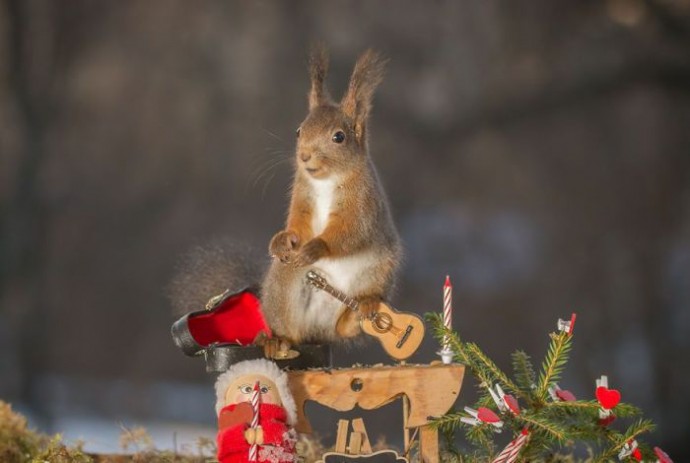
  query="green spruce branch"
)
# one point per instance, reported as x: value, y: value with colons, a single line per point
x: 485, y: 400
x: 461, y: 353
x: 447, y: 422
x: 619, y: 440
x: 441, y: 333
x: 552, y: 424
x: 539, y: 423
x: 492, y: 371
x: 483, y: 437
x: 525, y: 376
x: 480, y: 365
x: 554, y: 363
x: 622, y: 410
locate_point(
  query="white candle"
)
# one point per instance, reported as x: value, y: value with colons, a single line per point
x: 446, y: 353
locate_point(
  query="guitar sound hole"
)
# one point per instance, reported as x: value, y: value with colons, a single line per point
x: 382, y: 322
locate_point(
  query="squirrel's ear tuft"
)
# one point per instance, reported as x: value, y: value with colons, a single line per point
x: 367, y: 75
x: 318, y: 67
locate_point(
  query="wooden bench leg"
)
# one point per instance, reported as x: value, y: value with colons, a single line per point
x: 428, y: 444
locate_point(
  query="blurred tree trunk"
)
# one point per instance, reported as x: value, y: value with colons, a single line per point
x: 23, y: 229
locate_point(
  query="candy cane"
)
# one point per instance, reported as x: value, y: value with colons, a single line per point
x: 256, y: 400
x: 510, y: 453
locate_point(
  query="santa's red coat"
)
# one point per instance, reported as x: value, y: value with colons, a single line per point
x: 234, y: 448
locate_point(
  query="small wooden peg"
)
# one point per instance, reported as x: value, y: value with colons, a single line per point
x: 355, y: 443
x: 358, y: 425
x: 341, y: 437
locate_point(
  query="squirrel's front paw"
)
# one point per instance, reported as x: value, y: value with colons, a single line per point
x: 311, y: 252
x: 283, y: 246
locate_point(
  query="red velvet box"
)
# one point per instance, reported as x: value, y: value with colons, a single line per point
x: 234, y: 319
x: 225, y: 332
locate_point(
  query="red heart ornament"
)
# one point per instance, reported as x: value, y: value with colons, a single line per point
x: 565, y: 396
x: 608, y: 398
x: 487, y: 416
x: 661, y: 455
x: 512, y: 403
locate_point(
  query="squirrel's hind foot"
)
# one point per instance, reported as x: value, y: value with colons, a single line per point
x: 348, y: 325
x: 279, y: 349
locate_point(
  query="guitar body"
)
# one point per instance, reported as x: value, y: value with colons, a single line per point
x: 400, y: 333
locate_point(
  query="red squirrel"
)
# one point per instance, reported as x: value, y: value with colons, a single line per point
x: 339, y: 222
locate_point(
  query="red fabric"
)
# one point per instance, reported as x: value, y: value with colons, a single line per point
x: 237, y: 320
x: 234, y: 448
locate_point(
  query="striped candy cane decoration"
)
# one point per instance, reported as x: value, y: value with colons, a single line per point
x: 447, y: 309
x: 256, y: 400
x: 510, y: 453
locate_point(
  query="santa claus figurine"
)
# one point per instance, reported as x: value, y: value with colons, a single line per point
x: 273, y: 438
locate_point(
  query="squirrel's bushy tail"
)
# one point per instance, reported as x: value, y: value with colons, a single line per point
x: 208, y: 270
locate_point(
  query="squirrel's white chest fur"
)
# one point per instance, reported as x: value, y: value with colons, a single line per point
x: 323, y: 194
x: 346, y: 273
x: 349, y: 274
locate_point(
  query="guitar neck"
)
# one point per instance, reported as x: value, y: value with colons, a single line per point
x: 342, y: 297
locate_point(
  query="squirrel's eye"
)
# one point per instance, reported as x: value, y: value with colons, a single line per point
x: 338, y: 137
x: 297, y: 132
x: 245, y: 389
x: 264, y: 389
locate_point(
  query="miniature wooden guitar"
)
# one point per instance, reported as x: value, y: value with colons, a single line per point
x: 400, y: 333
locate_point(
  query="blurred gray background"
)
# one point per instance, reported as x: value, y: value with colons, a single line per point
x: 538, y: 152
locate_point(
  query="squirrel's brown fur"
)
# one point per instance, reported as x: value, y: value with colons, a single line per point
x: 339, y: 223
x: 208, y: 270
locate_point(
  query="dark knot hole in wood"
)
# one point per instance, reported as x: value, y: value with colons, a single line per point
x: 356, y: 384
